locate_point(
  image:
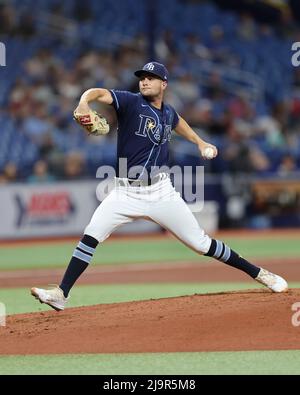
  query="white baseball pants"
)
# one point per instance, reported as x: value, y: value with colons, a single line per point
x: 158, y: 202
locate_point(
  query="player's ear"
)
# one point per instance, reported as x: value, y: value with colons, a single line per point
x: 164, y: 84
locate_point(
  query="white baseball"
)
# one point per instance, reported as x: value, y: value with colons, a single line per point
x: 208, y: 153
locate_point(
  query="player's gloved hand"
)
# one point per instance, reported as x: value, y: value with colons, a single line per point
x: 92, y: 122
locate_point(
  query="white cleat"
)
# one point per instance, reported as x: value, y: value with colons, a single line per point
x: 272, y: 281
x: 54, y: 297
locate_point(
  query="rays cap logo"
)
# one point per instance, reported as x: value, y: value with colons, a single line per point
x: 2, y: 54
x: 154, y: 68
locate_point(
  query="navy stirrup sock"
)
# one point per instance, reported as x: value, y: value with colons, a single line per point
x: 225, y: 254
x: 80, y: 260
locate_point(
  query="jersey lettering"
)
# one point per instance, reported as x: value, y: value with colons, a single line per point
x: 147, y: 123
x: 148, y: 127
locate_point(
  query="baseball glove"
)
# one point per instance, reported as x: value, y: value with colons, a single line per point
x: 92, y: 122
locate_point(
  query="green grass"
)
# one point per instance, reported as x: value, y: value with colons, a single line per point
x: 251, y: 362
x: 136, y: 251
x: 19, y: 300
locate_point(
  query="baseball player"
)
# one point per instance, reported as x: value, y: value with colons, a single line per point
x: 145, y: 124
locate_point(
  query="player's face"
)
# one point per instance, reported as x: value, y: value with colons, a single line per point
x: 151, y: 86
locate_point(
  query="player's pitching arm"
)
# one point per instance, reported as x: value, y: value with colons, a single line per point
x: 184, y: 130
x: 96, y: 94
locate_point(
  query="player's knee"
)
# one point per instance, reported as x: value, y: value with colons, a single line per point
x: 201, y: 244
x: 95, y: 232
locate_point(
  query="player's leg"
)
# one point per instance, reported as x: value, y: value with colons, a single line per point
x: 223, y: 253
x: 113, y: 212
x: 173, y: 214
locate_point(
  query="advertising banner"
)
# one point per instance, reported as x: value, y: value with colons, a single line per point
x: 46, y: 210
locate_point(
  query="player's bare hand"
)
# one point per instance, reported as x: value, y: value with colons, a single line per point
x: 208, y: 151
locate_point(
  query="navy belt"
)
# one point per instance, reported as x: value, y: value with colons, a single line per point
x: 141, y: 182
x: 144, y: 182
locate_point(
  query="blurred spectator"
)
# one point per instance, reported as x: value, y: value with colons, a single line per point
x: 42, y: 93
x: 2, y: 179
x: 127, y: 59
x: 186, y: 88
x: 19, y: 96
x: 38, y: 124
x: 271, y: 129
x: 195, y: 47
x: 287, y: 165
x: 41, y: 64
x: 8, y: 20
x: 26, y: 26
x: 240, y: 107
x: 237, y: 157
x: 246, y: 28
x: 200, y: 114
x: 40, y: 173
x: 165, y: 45
x: 258, y: 160
x: 70, y: 87
x: 74, y: 166
x: 10, y: 173
x: 218, y: 46
x: 53, y: 155
x: 241, y: 156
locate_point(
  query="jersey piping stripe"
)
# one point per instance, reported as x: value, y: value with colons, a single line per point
x: 86, y: 248
x: 147, y: 160
x: 80, y: 255
x: 156, y: 117
x: 115, y: 96
x: 178, y: 119
x: 157, y: 155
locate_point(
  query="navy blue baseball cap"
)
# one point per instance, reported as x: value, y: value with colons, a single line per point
x: 155, y: 68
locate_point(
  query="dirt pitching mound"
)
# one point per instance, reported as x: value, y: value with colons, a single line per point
x: 249, y: 320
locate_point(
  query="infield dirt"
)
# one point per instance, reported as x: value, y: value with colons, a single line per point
x: 248, y: 320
